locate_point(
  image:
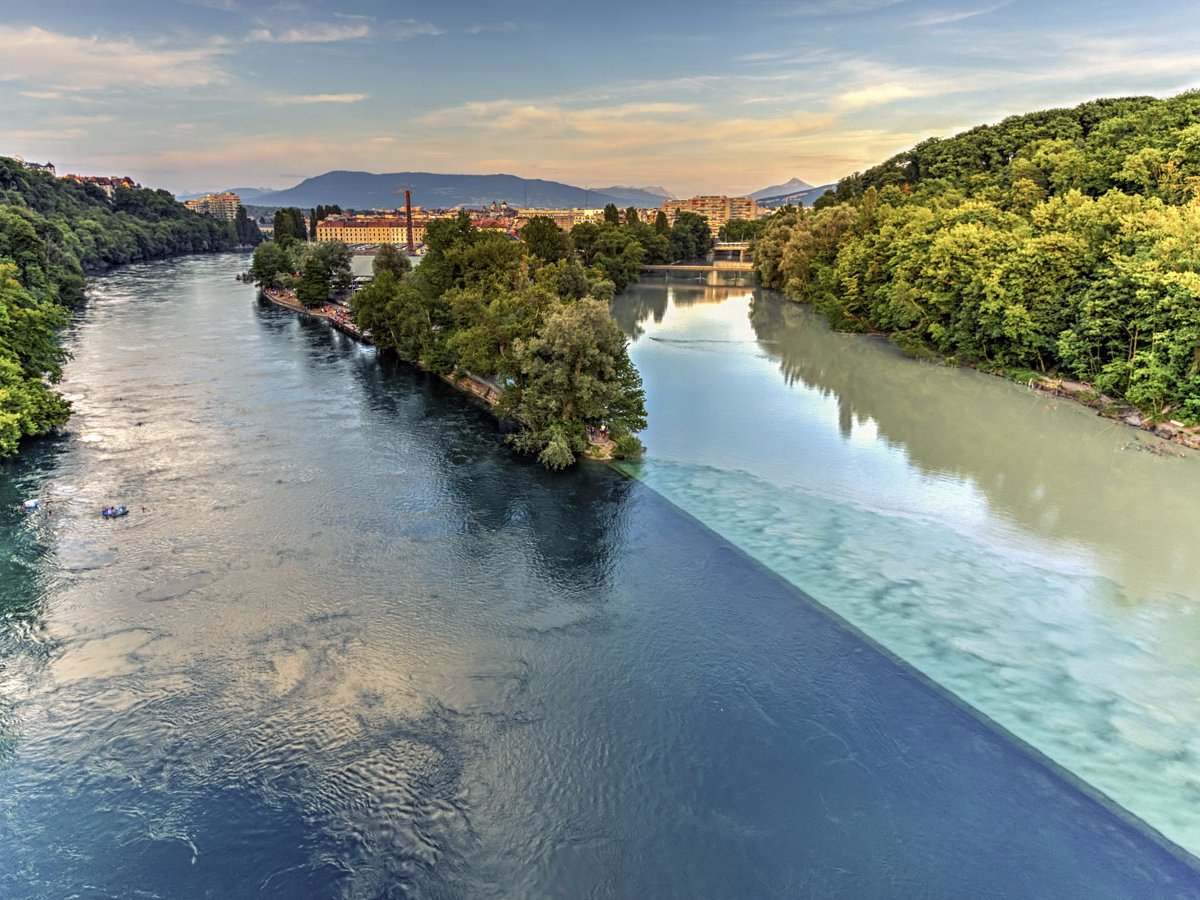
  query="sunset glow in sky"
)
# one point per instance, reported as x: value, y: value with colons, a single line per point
x: 697, y: 97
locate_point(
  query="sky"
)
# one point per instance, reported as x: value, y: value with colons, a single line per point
x: 697, y: 97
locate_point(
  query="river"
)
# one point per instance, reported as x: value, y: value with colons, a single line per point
x: 348, y: 645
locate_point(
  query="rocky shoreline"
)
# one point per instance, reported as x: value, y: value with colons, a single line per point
x: 1082, y: 392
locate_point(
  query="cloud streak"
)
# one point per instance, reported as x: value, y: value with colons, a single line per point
x: 949, y: 18
x: 327, y: 33
x: 65, y: 62
x: 307, y: 99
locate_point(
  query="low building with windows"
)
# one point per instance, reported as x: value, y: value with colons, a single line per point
x: 370, y: 230
x: 566, y: 219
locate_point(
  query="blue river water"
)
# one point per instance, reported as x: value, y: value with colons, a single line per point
x: 348, y: 645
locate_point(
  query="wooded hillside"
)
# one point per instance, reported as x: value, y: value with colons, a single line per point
x: 1063, y: 241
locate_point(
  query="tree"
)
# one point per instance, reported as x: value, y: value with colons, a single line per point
x: 335, y: 259
x: 312, y: 225
x: 389, y: 259
x: 690, y: 236
x: 612, y: 215
x: 661, y: 225
x: 631, y: 216
x: 289, y: 222
x: 313, y: 287
x: 245, y: 229
x: 29, y: 356
x: 574, y: 374
x: 741, y: 229
x: 269, y: 262
x: 545, y: 239
x: 403, y: 318
x: 614, y: 250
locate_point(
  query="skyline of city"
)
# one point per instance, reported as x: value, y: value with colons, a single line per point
x: 701, y: 98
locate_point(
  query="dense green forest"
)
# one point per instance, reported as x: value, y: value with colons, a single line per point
x: 529, y: 316
x: 52, y: 232
x: 1064, y: 242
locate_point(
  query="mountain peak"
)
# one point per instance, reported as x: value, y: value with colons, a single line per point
x: 794, y: 186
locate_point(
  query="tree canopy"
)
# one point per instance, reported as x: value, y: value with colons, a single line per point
x: 52, y: 232
x: 1063, y: 242
x: 539, y: 330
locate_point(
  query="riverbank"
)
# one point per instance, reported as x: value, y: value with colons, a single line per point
x: 469, y: 383
x: 1082, y: 392
x: 339, y: 317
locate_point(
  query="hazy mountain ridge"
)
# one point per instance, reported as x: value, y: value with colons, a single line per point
x: 792, y: 186
x: 796, y: 198
x: 432, y: 190
x: 643, y: 197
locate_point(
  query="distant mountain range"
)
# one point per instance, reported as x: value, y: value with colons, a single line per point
x: 367, y: 190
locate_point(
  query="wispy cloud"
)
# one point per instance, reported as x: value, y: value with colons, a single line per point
x: 949, y: 18
x: 491, y: 27
x: 878, y: 94
x: 66, y: 62
x: 325, y: 33
x: 406, y: 29
x: 305, y: 99
x: 98, y: 119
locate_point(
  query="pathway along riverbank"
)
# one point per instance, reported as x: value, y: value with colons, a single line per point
x: 342, y: 318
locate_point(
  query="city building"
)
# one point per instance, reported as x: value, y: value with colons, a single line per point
x: 219, y: 206
x: 48, y: 168
x: 566, y: 219
x: 487, y: 223
x: 370, y: 230
x: 717, y: 209
x: 106, y: 183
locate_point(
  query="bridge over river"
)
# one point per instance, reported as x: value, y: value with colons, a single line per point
x: 726, y: 256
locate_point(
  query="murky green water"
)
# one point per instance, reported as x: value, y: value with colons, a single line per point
x: 1039, y: 561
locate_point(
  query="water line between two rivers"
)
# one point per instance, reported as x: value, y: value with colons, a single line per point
x: 353, y: 646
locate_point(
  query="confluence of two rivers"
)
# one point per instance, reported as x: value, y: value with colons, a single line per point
x: 353, y: 646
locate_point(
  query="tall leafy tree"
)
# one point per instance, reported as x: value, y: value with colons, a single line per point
x: 545, y: 239
x: 289, y: 222
x: 612, y: 215
x: 246, y: 230
x: 313, y: 287
x: 389, y: 259
x: 335, y: 258
x: 575, y: 373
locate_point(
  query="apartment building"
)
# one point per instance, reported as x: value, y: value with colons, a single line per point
x: 219, y: 206
x: 717, y: 209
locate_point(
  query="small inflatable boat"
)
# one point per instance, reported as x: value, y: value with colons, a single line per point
x: 113, y: 512
x: 31, y: 505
